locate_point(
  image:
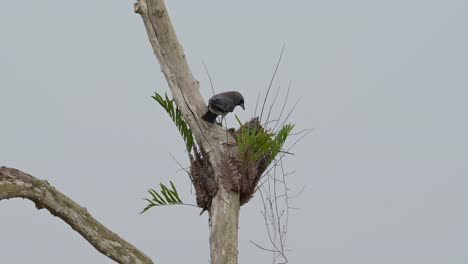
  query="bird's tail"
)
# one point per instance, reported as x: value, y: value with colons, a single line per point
x: 209, y: 117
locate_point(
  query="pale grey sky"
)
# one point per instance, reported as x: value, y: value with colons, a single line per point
x: 384, y: 85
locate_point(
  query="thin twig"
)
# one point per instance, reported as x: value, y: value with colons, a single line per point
x: 271, y: 82
x: 271, y: 105
x: 275, y: 217
x: 256, y: 104
x: 284, y: 105
x: 289, y: 114
x: 209, y: 77
x: 181, y: 167
x: 263, y: 248
x: 281, y: 157
x: 298, y: 133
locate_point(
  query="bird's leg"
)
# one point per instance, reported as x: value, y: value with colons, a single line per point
x: 221, y: 122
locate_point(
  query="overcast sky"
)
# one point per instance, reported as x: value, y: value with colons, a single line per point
x: 383, y: 85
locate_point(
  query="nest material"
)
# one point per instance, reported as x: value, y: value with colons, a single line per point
x: 238, y: 178
x: 202, y: 177
x: 239, y: 173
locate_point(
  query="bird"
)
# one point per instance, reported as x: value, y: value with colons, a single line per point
x: 221, y: 104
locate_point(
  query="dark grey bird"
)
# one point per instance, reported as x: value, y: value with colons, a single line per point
x: 221, y: 104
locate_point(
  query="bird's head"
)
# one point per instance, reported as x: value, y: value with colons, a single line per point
x: 238, y: 98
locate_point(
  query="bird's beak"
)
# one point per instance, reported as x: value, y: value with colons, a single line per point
x: 242, y: 105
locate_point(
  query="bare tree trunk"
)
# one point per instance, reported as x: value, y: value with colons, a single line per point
x: 224, y: 210
x: 17, y: 184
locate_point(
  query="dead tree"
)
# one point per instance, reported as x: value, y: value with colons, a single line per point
x: 224, y: 170
x: 224, y: 207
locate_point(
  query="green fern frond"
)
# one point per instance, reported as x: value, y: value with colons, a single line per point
x: 280, y: 138
x: 167, y: 196
x: 174, y: 113
x: 255, y: 142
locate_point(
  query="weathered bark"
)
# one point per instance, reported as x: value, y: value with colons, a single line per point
x: 17, y: 184
x: 224, y: 211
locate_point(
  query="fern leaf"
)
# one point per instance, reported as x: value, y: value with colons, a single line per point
x: 165, y: 196
x: 176, y: 116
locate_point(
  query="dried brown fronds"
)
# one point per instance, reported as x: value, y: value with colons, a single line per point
x: 202, y: 177
x: 256, y: 149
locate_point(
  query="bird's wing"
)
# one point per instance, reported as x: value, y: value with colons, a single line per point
x: 221, y: 105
